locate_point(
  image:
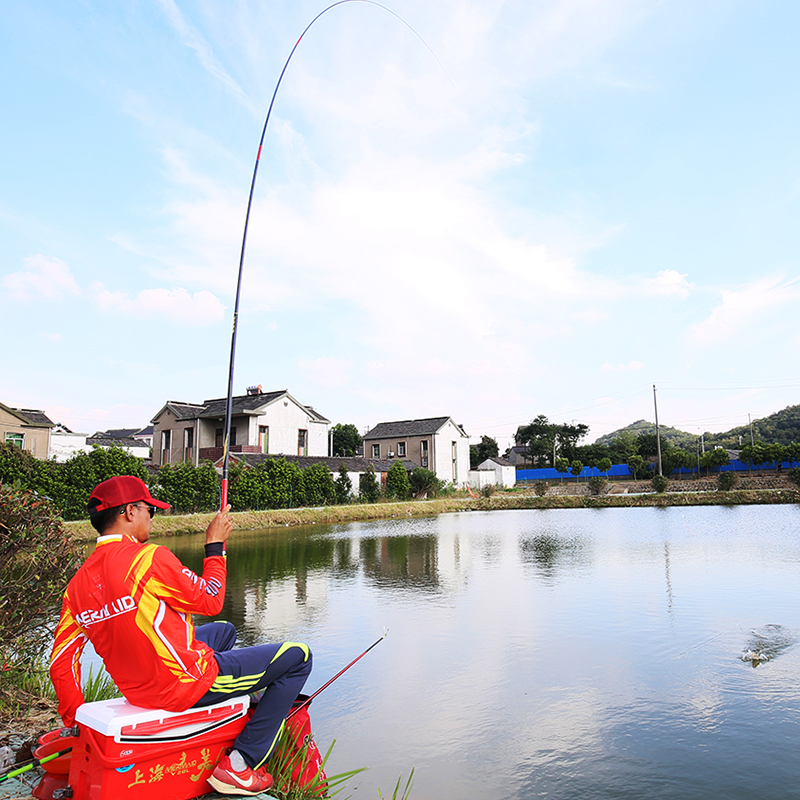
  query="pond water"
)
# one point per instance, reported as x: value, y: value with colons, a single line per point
x: 615, y: 653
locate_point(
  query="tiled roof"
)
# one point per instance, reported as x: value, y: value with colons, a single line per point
x: 408, y: 427
x: 34, y: 417
x: 106, y: 441
x: 353, y: 463
x: 117, y: 433
x: 243, y: 404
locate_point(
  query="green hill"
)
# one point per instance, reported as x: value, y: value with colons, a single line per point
x: 783, y: 427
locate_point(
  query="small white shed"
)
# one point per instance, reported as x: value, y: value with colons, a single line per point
x: 494, y: 472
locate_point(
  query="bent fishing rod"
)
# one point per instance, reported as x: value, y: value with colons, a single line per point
x: 335, y: 677
x: 229, y: 398
x: 35, y: 762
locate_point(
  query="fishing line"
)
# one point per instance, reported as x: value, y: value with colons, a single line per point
x: 337, y: 675
x: 229, y: 399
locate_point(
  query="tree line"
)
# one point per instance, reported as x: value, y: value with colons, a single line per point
x: 274, y: 483
x: 548, y: 444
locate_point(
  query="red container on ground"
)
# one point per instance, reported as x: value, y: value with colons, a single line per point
x: 131, y: 752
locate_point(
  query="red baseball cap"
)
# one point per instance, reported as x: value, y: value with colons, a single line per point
x: 120, y: 491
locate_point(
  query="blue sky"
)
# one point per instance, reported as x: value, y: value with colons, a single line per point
x: 577, y: 200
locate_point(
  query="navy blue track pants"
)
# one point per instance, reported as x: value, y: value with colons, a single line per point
x: 280, y: 670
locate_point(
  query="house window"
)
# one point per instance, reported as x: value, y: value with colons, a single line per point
x: 376, y: 451
x: 401, y: 449
x: 302, y: 442
x: 166, y: 443
x: 16, y: 438
x: 263, y: 438
x: 188, y: 444
x: 423, y: 450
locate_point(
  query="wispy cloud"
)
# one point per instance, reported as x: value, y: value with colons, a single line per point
x: 42, y: 278
x: 169, y: 305
x: 740, y: 308
x: 195, y: 40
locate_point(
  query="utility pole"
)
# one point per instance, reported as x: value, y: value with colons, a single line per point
x: 658, y: 433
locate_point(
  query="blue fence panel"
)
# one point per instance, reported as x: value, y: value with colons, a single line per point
x: 622, y: 471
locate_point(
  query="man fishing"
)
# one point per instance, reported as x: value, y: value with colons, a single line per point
x: 133, y: 601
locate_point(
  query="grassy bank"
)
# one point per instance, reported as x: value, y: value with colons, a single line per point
x: 176, y: 524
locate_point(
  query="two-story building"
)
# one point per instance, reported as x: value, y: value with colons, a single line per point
x: 27, y: 428
x: 261, y: 422
x: 436, y: 443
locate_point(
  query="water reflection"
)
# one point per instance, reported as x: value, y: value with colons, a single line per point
x: 561, y: 654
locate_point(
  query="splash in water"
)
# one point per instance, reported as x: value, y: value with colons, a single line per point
x: 768, y: 643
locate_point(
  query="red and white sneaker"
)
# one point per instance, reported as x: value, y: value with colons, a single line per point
x: 226, y: 780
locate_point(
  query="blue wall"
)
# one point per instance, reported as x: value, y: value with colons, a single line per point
x: 622, y: 471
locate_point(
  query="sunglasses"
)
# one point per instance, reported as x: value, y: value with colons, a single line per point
x: 151, y: 509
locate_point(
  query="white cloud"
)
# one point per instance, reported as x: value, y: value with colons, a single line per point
x: 741, y: 308
x: 169, y: 305
x: 669, y: 283
x: 43, y: 278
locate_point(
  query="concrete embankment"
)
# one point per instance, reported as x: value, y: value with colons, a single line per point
x: 176, y: 524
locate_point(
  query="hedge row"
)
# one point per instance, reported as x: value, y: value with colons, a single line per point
x: 275, y: 483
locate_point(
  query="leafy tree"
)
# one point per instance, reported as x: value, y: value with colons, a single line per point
x: 562, y: 466
x: 423, y: 482
x: 539, y: 438
x: 478, y: 453
x: 567, y: 438
x: 622, y: 447
x: 714, y: 459
x: 638, y: 467
x: 576, y: 467
x: 343, y: 485
x: 604, y: 465
x: 318, y: 485
x: 368, y: 487
x: 346, y: 440
x: 675, y: 458
x: 398, y: 486
x: 37, y: 561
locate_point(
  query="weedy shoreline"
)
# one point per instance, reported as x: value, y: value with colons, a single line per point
x: 277, y: 519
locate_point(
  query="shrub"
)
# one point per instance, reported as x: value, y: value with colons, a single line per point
x: 794, y: 476
x: 368, y: 487
x: 37, y: 561
x: 343, y: 485
x: 188, y: 488
x: 318, y: 484
x: 540, y: 487
x: 597, y: 484
x: 488, y: 490
x: 397, y: 484
x: 659, y: 483
x: 727, y: 480
x: 423, y: 482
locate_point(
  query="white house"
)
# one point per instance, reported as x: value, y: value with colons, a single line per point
x: 262, y: 422
x: 436, y: 443
x: 494, y: 471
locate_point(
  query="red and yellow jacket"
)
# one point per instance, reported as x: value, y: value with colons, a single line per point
x: 134, y: 602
